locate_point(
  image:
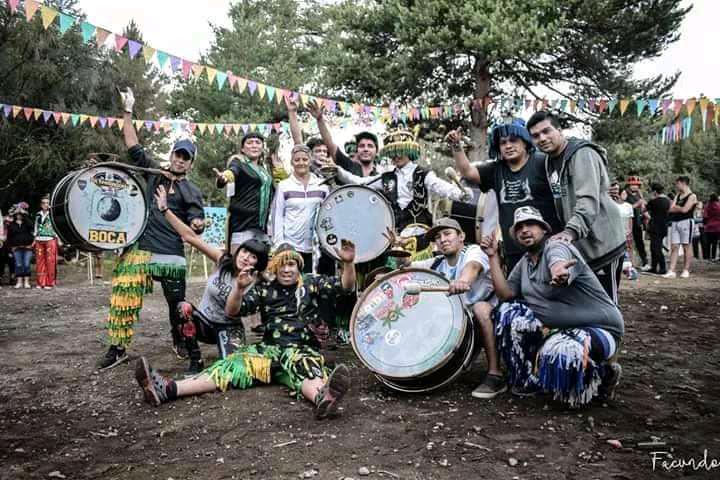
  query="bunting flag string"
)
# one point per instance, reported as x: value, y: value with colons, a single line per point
x: 388, y: 113
x: 50, y: 117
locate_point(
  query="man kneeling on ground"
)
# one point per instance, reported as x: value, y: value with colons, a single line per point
x: 289, y: 351
x: 558, y: 328
x: 466, y: 267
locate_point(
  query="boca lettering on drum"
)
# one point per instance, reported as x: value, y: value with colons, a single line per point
x: 99, y: 208
x: 413, y: 342
x: 355, y: 213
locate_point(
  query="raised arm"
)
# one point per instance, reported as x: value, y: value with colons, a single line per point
x: 129, y: 133
x: 462, y: 162
x: 317, y: 110
x: 444, y: 189
x: 503, y: 289
x: 295, y: 131
x: 278, y: 217
x: 185, y: 232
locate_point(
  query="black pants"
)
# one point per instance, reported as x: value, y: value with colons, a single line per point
x: 6, y: 258
x: 174, y: 293
x: 609, y: 277
x: 713, y: 238
x: 195, y: 328
x: 637, y: 232
x: 700, y: 246
x: 657, y: 257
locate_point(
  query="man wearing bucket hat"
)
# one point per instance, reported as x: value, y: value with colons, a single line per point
x: 160, y: 253
x: 468, y: 269
x: 557, y: 330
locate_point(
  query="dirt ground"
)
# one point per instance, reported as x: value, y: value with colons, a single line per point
x: 59, y: 418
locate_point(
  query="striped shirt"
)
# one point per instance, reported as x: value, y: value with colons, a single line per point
x: 294, y: 210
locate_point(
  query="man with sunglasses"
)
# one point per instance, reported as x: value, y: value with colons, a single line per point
x: 159, y: 254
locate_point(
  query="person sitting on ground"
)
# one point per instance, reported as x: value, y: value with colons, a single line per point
x: 557, y: 329
x: 208, y: 322
x: 468, y: 269
x: 288, y: 353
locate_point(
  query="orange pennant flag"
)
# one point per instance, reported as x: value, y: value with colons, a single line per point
x: 65, y: 117
x: 101, y: 36
x: 261, y: 90
x: 48, y: 15
x: 690, y: 105
x: 197, y: 70
x: 31, y: 7
x: 624, y: 105
x: 120, y: 123
x: 28, y: 112
x: 93, y: 120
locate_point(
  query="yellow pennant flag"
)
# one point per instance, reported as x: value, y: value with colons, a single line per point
x: 304, y: 99
x: 690, y: 105
x: 139, y: 124
x: 211, y: 74
x: 65, y: 117
x: 236, y: 128
x: 573, y: 106
x: 280, y: 95
x: 148, y: 53
x: 197, y: 70
x: 624, y: 105
x: 16, y: 110
x: 241, y: 84
x: 203, y: 127
x: 261, y: 90
x: 36, y: 113
x: 83, y: 118
x: 31, y: 7
x: 120, y: 123
x: 704, y: 103
x: 48, y: 15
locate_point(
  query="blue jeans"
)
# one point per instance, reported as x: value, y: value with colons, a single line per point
x: 22, y: 262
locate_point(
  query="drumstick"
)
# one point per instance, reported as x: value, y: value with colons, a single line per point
x: 416, y: 288
x: 453, y: 176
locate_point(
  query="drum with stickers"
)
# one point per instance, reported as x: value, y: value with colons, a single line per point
x: 413, y: 342
x: 99, y: 208
x: 355, y: 213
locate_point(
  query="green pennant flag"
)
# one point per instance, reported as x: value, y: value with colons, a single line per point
x: 611, y: 105
x: 88, y: 31
x: 162, y: 58
x: 74, y: 118
x: 220, y: 77
x: 66, y: 21
x: 219, y: 128
x: 640, y: 104
x: 270, y: 92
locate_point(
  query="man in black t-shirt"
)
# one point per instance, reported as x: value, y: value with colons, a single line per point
x: 658, y: 208
x: 517, y: 177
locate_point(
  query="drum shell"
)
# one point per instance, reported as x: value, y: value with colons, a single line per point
x: 67, y: 228
x: 445, y: 370
x: 466, y: 214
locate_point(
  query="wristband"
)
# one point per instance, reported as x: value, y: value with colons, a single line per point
x: 163, y: 210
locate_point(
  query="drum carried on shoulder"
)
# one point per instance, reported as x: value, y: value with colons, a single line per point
x: 413, y: 341
x: 101, y: 207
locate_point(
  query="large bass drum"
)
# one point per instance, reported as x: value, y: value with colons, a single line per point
x: 413, y: 342
x: 355, y: 213
x: 99, y: 208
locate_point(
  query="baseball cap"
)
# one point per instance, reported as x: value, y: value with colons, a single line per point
x: 186, y: 145
x: 442, y: 224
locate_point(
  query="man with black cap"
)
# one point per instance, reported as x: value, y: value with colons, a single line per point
x: 249, y: 186
x: 517, y: 177
x: 159, y: 254
x: 468, y: 269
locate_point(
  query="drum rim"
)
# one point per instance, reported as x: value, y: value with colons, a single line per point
x: 62, y: 183
x: 472, y: 352
x: 333, y: 254
x: 85, y: 244
x: 373, y: 285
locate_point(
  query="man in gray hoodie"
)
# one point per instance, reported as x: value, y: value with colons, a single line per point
x: 578, y: 177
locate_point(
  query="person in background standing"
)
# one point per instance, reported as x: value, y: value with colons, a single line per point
x: 46, y: 246
x: 681, y: 230
x: 627, y: 215
x: 657, y: 208
x: 711, y: 218
x: 634, y: 196
x: 20, y: 241
x: 699, y: 244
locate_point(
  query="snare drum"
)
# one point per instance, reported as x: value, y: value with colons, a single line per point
x: 413, y: 343
x: 356, y: 213
x: 99, y: 208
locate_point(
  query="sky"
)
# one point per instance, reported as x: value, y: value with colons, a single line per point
x: 182, y: 28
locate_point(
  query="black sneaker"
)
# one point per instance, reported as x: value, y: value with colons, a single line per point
x: 181, y: 351
x: 114, y: 357
x: 196, y: 366
x: 491, y: 387
x: 153, y: 384
x: 523, y: 392
x: 338, y: 383
x: 610, y: 382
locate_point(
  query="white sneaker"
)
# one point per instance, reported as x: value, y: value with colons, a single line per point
x: 685, y: 274
x: 670, y: 275
x: 645, y: 268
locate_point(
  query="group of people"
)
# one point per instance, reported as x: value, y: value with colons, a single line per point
x: 681, y: 218
x: 21, y: 238
x: 545, y: 300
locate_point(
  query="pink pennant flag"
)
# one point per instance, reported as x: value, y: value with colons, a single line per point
x: 678, y: 105
x: 101, y: 36
x: 133, y: 48
x: 13, y: 5
x: 665, y: 104
x: 228, y: 128
x: 31, y: 7
x: 197, y: 69
x: 186, y: 69
x: 58, y: 117
x: 111, y: 121
x: 28, y: 112
x: 120, y: 42
x: 232, y: 79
